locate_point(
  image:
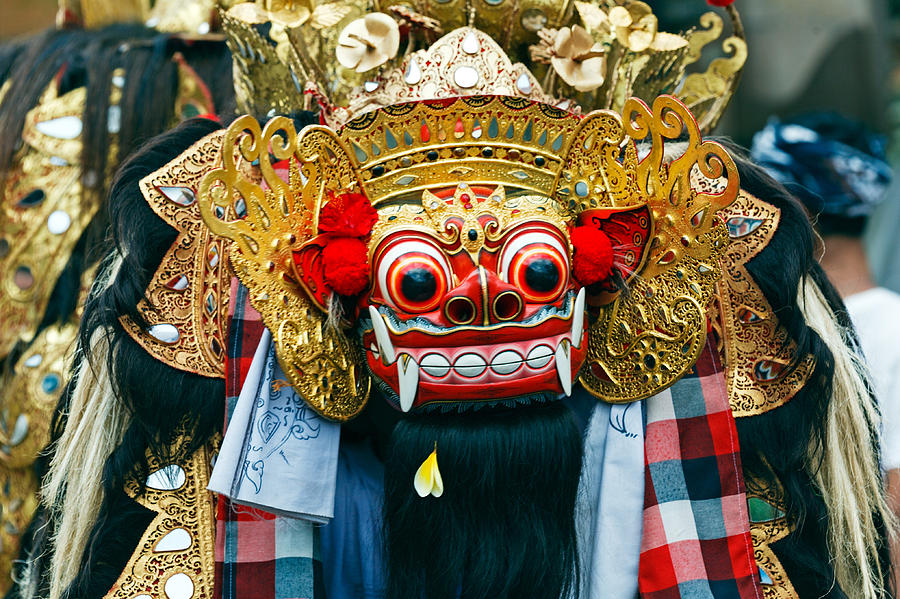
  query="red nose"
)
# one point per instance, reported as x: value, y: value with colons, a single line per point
x: 482, y: 298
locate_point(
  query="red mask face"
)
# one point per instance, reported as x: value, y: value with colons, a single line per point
x: 473, y: 301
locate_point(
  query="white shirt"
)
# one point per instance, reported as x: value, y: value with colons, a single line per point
x: 876, y: 315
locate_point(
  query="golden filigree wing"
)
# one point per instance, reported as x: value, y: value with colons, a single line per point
x: 649, y: 337
x: 43, y: 212
x: 280, y: 207
x: 707, y: 93
x: 186, y: 306
x: 175, y: 556
x: 758, y: 353
x: 592, y: 175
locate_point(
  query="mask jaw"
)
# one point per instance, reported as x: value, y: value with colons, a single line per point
x: 471, y: 367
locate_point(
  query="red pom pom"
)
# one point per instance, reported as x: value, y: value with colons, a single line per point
x: 720, y: 2
x: 346, y: 264
x: 347, y: 215
x: 593, y: 257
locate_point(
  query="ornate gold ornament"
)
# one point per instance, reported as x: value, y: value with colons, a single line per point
x: 757, y: 352
x: 708, y: 93
x: 317, y: 357
x: 397, y: 154
x: 29, y: 397
x: 405, y: 149
x: 465, y: 62
x: 768, y: 525
x: 176, y: 554
x: 44, y: 209
x: 19, y: 502
x: 187, y: 299
x: 273, y: 70
x: 648, y: 338
x: 594, y: 55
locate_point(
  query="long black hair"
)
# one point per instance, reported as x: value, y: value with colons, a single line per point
x: 163, y: 403
x: 504, y: 527
x: 781, y: 445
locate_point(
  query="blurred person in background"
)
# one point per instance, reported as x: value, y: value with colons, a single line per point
x: 838, y: 168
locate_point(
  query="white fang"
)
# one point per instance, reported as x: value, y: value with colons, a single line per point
x: 564, y: 366
x: 407, y: 380
x: 578, y: 320
x: 382, y: 337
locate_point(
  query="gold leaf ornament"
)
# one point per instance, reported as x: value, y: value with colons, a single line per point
x: 319, y: 360
x: 578, y: 59
x: 369, y: 42
x: 594, y: 18
x: 637, y: 28
x: 645, y: 341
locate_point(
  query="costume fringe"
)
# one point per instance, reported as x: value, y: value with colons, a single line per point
x: 849, y: 474
x: 73, y: 489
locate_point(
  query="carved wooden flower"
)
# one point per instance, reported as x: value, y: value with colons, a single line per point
x: 593, y: 17
x: 578, y: 59
x: 636, y: 28
x: 289, y: 14
x: 368, y: 42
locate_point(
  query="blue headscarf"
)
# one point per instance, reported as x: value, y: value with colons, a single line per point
x: 834, y: 165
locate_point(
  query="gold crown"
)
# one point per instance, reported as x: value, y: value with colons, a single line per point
x: 639, y: 344
x: 403, y: 149
x: 593, y: 56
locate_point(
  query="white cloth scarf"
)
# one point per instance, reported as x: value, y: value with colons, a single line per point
x: 611, y: 502
x: 278, y: 455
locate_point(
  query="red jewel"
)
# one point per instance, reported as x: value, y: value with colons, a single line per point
x: 465, y: 198
x: 467, y: 206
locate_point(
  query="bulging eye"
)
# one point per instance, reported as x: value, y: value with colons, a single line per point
x: 537, y: 263
x: 413, y: 276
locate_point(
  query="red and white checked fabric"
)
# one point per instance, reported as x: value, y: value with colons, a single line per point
x: 259, y: 555
x: 696, y: 533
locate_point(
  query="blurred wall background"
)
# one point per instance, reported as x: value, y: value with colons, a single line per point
x: 20, y: 17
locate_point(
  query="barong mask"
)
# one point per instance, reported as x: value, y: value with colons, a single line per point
x: 470, y: 251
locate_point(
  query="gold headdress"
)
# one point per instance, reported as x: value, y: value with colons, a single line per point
x: 456, y: 109
x: 589, y: 54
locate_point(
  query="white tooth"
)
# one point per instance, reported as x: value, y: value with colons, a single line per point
x: 564, y: 366
x: 539, y: 356
x: 506, y: 362
x: 408, y: 380
x: 578, y: 319
x: 382, y: 336
x: 470, y: 365
x: 435, y: 365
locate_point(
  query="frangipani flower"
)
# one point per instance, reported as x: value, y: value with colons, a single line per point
x: 368, y: 42
x: 636, y: 28
x: 578, y: 59
x: 428, y: 479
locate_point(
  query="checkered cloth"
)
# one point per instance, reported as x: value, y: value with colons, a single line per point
x: 696, y: 535
x: 259, y: 555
